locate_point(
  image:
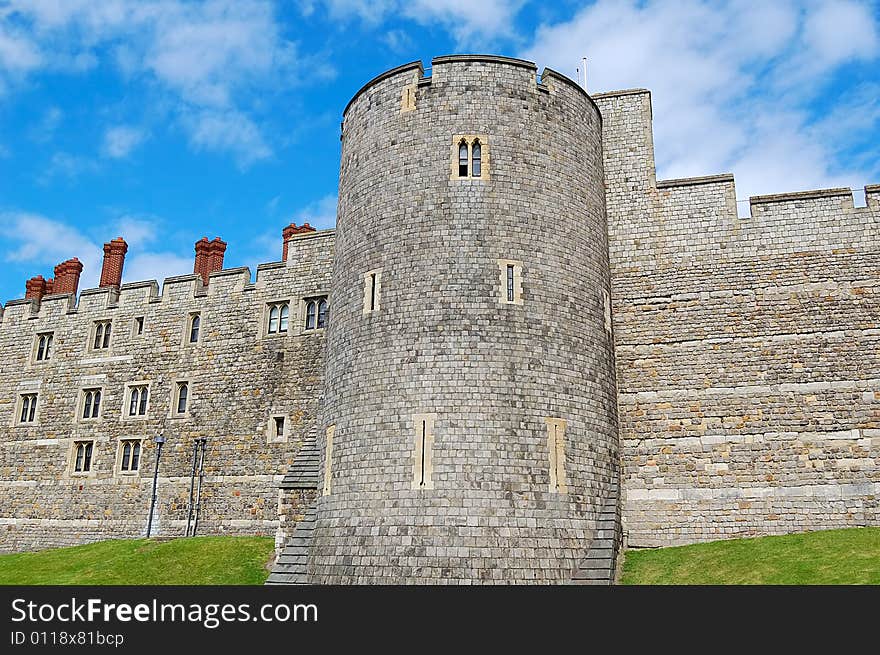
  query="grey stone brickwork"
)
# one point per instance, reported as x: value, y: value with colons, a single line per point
x: 723, y: 371
x: 239, y: 376
x: 444, y: 344
x: 748, y: 349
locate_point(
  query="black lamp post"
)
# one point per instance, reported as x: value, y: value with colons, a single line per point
x: 159, y: 441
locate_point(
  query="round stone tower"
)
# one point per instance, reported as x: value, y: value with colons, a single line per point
x: 469, y: 403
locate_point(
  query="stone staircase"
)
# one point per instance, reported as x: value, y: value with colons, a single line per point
x: 290, y: 567
x: 300, y: 479
x: 598, y: 567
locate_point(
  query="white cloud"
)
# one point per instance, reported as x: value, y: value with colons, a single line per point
x: 320, y: 214
x: 137, y: 232
x: 66, y: 165
x: 155, y: 266
x: 120, y: 140
x: 214, y: 57
x: 721, y: 76
x: 228, y: 131
x: 466, y: 20
x: 42, y: 243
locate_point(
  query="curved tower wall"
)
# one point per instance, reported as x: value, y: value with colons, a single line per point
x: 443, y: 347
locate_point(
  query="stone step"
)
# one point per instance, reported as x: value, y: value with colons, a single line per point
x: 592, y: 574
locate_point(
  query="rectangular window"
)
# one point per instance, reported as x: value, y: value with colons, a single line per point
x: 91, y: 403
x: 44, y: 347
x: 130, y: 455
x: 556, y: 450
x: 138, y: 400
x: 82, y: 462
x: 27, y: 408
x: 510, y: 283
x: 101, y: 340
x: 138, y: 328
x: 510, y: 276
x: 372, y: 290
x: 423, y: 450
x: 328, y: 458
x: 279, y: 427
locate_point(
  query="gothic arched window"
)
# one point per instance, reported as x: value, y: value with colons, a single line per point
x: 476, y: 158
x: 462, y: 158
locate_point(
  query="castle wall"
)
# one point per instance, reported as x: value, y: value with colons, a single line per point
x: 443, y: 343
x: 747, y: 349
x: 239, y: 376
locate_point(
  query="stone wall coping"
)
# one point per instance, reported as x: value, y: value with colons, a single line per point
x: 490, y: 59
x: 800, y: 195
x: 622, y: 92
x: 693, y: 181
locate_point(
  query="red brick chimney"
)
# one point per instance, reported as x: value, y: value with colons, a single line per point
x: 291, y: 231
x: 35, y: 288
x: 66, y: 277
x: 114, y: 259
x: 209, y: 257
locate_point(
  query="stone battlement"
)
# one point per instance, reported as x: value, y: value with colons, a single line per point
x: 301, y: 251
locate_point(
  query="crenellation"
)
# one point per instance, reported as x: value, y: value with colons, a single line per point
x: 511, y: 334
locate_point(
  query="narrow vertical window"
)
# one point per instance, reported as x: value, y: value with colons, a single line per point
x: 556, y: 451
x: 195, y: 324
x: 279, y: 427
x: 273, y: 319
x: 510, y: 277
x: 80, y: 451
x: 126, y: 455
x: 106, y: 342
x: 423, y: 448
x: 99, y: 335
x: 510, y: 283
x: 96, y: 403
x: 87, y: 405
x: 311, y: 307
x: 135, y: 455
x: 476, y: 159
x: 372, y: 291
x: 322, y: 313
x: 87, y: 459
x: 133, y: 403
x: 44, y: 347
x: 284, y: 317
x: 139, y: 325
x: 182, y: 396
x: 142, y: 407
x: 462, y: 159
x: 328, y: 458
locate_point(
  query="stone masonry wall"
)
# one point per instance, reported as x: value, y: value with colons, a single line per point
x: 748, y: 349
x: 239, y: 376
x: 443, y: 343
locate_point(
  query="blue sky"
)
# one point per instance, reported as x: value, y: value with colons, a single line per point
x: 164, y: 121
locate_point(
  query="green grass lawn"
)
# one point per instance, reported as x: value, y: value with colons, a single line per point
x: 196, y: 560
x: 825, y: 557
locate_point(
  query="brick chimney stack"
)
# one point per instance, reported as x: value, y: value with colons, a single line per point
x: 291, y: 231
x: 114, y: 259
x: 66, y: 277
x: 209, y: 257
x: 35, y: 288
